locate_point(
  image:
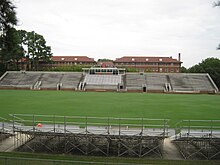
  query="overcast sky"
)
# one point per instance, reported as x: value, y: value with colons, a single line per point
x: 116, y: 28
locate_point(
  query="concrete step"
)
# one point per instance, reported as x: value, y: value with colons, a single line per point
x: 11, y: 143
x: 170, y: 151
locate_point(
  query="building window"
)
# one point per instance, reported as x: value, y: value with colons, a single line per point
x: 161, y: 70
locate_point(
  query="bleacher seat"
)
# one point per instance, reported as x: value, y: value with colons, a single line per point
x: 135, y: 81
x: 71, y: 80
x: 155, y: 81
x: 102, y: 81
x: 178, y: 82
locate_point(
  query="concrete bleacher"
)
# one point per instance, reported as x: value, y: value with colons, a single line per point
x: 29, y: 79
x: 50, y: 80
x: 201, y: 82
x: 46, y: 80
x: 192, y: 82
x: 19, y: 79
x: 151, y: 82
x: 135, y: 81
x: 180, y: 82
x: 156, y: 81
x: 11, y: 79
x: 71, y: 80
x: 177, y: 82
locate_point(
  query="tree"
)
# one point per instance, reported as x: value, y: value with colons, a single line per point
x: 36, y: 49
x: 183, y: 69
x: 7, y: 15
x: 12, y: 51
x: 217, y: 3
x: 14, y: 45
x: 209, y: 65
x: 7, y: 20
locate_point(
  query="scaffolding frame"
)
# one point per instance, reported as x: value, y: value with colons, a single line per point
x: 198, y: 139
x: 136, y: 137
x: 4, y: 129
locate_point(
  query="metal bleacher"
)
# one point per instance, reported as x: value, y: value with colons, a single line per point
x: 102, y: 81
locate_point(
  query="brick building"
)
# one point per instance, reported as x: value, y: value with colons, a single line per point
x: 72, y: 60
x: 141, y: 64
x: 149, y: 64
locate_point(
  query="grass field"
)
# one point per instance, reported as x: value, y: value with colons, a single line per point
x: 49, y: 159
x: 126, y: 105
x: 130, y: 105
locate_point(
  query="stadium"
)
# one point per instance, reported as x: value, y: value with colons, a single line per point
x: 109, y: 79
x: 110, y: 113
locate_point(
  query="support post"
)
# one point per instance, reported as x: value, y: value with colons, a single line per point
x: 13, y: 123
x: 119, y: 139
x: 141, y: 134
x: 33, y: 123
x: 188, y: 128
x: 54, y: 124
x: 87, y: 142
x: 108, y: 138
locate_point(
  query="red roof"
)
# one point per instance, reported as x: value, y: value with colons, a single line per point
x: 23, y: 59
x: 106, y: 64
x: 146, y: 59
x: 72, y: 59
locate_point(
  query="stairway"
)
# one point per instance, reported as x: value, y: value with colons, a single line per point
x: 170, y: 151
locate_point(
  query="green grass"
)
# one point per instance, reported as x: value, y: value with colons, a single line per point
x: 49, y: 159
x: 127, y: 105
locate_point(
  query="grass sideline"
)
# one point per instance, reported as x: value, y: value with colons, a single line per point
x: 47, y: 159
x: 175, y: 107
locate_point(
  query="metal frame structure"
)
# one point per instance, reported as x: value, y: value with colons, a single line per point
x: 136, y: 137
x: 198, y: 139
x: 4, y: 129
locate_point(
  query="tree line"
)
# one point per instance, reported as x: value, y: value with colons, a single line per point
x: 210, y: 66
x: 16, y: 45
